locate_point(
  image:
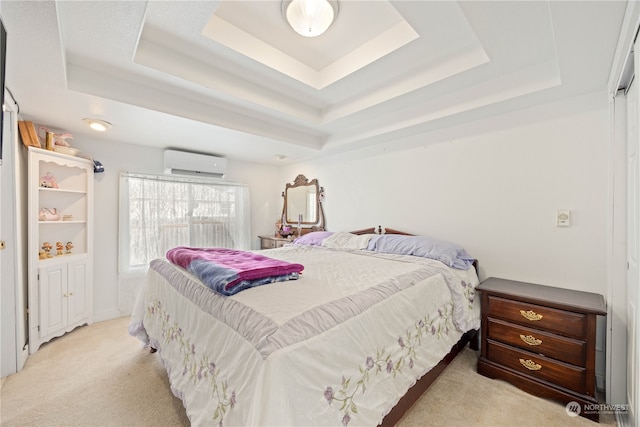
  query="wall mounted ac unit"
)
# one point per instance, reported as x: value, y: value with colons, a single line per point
x: 185, y: 163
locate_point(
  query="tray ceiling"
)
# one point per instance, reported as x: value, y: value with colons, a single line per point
x: 232, y: 78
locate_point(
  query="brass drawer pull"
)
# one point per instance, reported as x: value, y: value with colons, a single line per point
x: 530, y: 339
x: 530, y: 365
x: 531, y: 315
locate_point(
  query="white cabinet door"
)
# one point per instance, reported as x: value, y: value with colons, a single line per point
x: 78, y: 292
x: 53, y: 299
x: 65, y: 297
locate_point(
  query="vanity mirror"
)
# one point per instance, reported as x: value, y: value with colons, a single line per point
x: 302, y: 204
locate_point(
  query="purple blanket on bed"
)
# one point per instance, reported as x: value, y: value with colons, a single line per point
x: 229, y: 271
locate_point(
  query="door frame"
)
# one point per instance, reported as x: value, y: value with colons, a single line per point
x: 620, y: 77
x: 12, y: 227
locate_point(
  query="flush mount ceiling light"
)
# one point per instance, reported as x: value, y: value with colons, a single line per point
x: 97, y: 124
x: 310, y: 18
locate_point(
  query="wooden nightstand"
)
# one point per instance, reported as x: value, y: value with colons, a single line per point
x: 541, y: 339
x: 270, y: 242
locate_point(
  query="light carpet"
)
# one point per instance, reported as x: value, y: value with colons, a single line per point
x: 100, y: 376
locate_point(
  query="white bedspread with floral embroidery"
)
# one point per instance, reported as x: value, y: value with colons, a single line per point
x: 339, y: 346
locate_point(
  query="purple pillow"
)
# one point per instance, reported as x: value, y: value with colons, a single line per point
x: 314, y: 238
x: 446, y: 252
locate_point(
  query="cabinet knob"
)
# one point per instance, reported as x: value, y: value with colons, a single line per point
x: 530, y: 339
x: 530, y: 365
x: 531, y: 315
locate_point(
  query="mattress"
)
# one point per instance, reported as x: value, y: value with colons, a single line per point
x: 340, y: 345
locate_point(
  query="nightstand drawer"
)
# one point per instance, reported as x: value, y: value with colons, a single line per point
x: 555, y: 346
x: 565, y: 323
x: 270, y: 242
x: 537, y: 366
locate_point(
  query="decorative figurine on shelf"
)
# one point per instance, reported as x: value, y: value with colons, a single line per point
x: 59, y: 248
x: 47, y: 214
x: 60, y: 139
x: 48, y: 181
x: 46, y: 248
x: 68, y: 247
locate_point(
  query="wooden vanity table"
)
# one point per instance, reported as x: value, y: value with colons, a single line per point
x: 301, y: 211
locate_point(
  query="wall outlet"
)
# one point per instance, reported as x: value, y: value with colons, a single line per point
x: 564, y: 218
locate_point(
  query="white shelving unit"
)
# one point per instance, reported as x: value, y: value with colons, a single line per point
x: 61, y: 282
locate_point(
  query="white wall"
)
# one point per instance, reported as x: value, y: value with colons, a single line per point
x: 496, y: 193
x: 265, y: 197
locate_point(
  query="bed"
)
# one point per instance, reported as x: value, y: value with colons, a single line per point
x: 355, y: 340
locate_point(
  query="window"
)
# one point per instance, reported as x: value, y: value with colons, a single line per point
x: 158, y: 213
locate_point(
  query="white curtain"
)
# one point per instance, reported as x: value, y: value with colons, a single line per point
x: 160, y: 212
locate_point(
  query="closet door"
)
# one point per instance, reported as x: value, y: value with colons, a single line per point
x: 633, y: 245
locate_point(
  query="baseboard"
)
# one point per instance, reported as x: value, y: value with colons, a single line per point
x: 623, y: 420
x: 107, y: 315
x: 600, y: 384
x: 22, y: 356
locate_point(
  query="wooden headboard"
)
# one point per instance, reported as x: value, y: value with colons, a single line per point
x: 380, y: 230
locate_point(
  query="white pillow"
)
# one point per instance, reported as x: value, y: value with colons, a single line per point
x: 344, y: 240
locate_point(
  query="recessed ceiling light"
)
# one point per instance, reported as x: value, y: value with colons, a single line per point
x: 97, y: 124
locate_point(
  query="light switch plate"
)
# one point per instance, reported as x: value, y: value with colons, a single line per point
x: 564, y: 218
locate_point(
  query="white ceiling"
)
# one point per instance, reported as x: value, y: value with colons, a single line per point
x: 232, y: 79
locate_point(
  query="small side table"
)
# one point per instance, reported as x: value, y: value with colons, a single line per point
x: 541, y: 339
